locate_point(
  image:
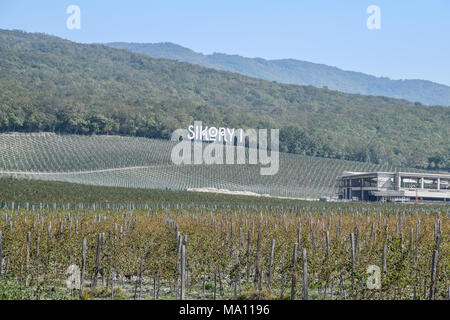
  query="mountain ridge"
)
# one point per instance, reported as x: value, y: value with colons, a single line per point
x: 299, y: 72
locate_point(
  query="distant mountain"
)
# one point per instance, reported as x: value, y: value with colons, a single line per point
x: 51, y: 84
x: 302, y: 73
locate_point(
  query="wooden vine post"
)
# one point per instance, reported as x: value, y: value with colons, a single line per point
x: 183, y: 273
x: 1, y: 253
x: 434, y: 262
x: 305, y: 275
x: 272, y: 254
x: 294, y: 271
x: 83, y: 265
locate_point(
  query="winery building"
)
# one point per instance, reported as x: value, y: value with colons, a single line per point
x: 394, y: 186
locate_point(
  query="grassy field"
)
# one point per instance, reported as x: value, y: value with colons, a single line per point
x: 48, y: 193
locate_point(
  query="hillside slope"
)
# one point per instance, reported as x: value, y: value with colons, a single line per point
x: 51, y: 84
x: 145, y: 163
x: 301, y: 73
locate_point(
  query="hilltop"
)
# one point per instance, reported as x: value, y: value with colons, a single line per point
x: 300, y: 72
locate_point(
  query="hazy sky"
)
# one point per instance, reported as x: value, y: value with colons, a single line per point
x: 413, y: 42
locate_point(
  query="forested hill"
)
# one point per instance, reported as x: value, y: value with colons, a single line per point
x: 51, y: 84
x: 300, y: 72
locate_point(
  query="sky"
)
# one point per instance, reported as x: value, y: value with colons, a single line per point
x: 412, y: 43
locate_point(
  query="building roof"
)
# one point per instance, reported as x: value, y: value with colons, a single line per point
x: 409, y: 174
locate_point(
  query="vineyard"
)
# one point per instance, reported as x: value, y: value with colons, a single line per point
x: 87, y: 217
x: 145, y: 163
x: 309, y: 252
